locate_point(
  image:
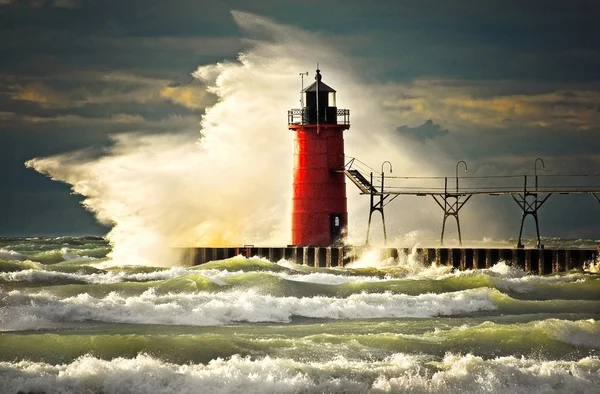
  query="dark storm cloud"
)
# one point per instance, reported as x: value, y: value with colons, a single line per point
x: 109, y: 35
x: 464, y: 39
x: 486, y: 39
x: 42, y: 3
x: 427, y: 130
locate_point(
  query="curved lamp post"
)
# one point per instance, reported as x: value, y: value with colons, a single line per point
x: 382, y: 164
x: 466, y: 169
x: 535, y: 170
x: 382, y: 173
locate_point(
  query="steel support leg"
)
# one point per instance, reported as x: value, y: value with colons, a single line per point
x: 537, y: 229
x: 378, y: 206
x: 369, y: 227
x: 443, y: 229
x: 530, y: 207
x: 384, y: 229
x: 380, y: 210
x: 519, y: 244
x: 458, y: 226
x: 451, y: 209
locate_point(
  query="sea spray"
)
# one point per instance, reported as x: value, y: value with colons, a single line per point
x: 233, y: 186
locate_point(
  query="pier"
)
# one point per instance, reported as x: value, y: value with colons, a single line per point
x: 533, y: 261
x: 320, y: 213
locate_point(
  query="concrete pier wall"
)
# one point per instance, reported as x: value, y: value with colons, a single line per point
x: 535, y: 261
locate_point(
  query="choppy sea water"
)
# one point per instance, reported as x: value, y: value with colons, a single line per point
x: 71, y: 323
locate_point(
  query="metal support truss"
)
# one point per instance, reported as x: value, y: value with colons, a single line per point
x: 529, y: 200
x: 451, y: 204
x: 530, y: 203
x: 377, y: 205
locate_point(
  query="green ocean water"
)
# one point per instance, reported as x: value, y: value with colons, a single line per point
x: 73, y: 322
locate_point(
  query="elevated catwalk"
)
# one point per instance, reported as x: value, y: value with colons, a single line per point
x: 529, y: 192
x: 534, y: 261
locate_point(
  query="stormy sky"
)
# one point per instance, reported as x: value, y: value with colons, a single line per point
x: 494, y: 83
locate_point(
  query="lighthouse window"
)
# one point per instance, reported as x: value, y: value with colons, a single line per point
x: 336, y: 221
x: 332, y: 99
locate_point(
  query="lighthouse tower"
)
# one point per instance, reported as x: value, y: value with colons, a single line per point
x: 319, y: 207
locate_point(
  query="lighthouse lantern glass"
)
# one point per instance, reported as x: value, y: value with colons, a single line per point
x: 332, y: 99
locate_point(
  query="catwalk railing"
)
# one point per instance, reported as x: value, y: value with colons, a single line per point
x: 452, y: 193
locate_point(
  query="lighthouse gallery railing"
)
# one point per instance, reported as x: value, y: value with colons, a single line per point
x: 300, y: 116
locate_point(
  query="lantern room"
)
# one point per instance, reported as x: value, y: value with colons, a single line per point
x: 319, y: 99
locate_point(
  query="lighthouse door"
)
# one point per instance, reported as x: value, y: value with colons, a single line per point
x: 336, y: 227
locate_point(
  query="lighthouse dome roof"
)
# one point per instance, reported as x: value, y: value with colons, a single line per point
x: 322, y: 86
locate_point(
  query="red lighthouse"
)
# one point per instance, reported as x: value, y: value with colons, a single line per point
x: 319, y: 208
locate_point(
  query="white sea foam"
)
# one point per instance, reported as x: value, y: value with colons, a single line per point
x: 472, y: 374
x: 23, y: 311
x: 514, y: 279
x: 398, y: 373
x: 71, y: 254
x: 11, y: 255
x: 410, y: 263
x: 32, y: 275
x: 217, y: 276
x: 504, y: 276
x: 579, y: 333
x: 594, y: 265
x: 371, y: 258
x: 329, y: 279
x: 506, y: 271
x: 288, y: 264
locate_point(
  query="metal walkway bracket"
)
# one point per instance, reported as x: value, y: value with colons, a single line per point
x: 530, y: 203
x: 367, y: 187
x: 451, y: 204
x: 377, y: 206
